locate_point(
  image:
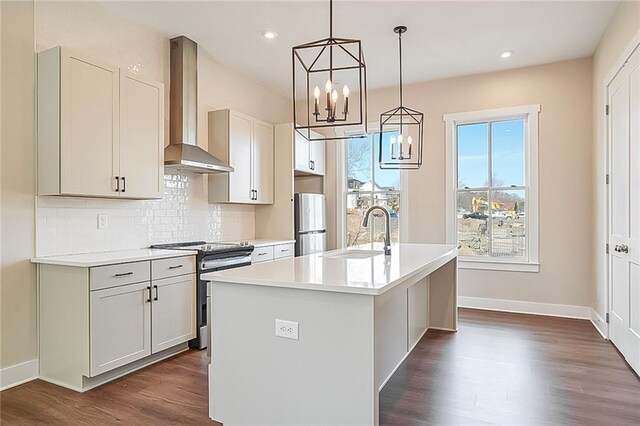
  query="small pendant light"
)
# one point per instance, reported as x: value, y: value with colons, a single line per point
x: 401, y: 130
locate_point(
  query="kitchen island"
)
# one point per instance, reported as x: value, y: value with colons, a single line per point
x: 350, y: 318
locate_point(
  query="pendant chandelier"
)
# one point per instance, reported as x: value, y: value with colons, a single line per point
x: 401, y: 130
x: 337, y: 66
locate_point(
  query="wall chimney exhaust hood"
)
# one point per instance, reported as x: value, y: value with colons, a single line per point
x: 183, y: 153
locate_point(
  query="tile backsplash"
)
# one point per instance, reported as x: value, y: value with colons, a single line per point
x: 70, y: 225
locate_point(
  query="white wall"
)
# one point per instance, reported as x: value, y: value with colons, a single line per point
x: 563, y: 90
x: 17, y: 275
x: 69, y: 225
x: 624, y: 25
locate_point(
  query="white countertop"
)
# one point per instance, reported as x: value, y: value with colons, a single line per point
x: 262, y: 243
x: 372, y: 275
x: 88, y: 260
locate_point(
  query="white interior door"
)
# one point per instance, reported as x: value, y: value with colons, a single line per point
x: 141, y: 136
x: 263, y: 161
x: 240, y: 134
x: 624, y: 226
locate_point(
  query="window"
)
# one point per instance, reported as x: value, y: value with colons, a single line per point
x: 365, y: 185
x: 492, y: 188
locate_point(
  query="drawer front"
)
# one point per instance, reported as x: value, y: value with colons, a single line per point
x: 283, y: 250
x: 262, y: 254
x: 172, y: 267
x: 121, y: 274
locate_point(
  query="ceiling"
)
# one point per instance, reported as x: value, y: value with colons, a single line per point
x: 444, y: 39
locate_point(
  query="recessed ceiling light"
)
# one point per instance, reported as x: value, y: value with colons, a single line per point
x: 270, y: 35
x: 506, y: 54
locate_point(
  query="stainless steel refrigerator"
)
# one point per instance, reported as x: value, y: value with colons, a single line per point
x: 310, y: 223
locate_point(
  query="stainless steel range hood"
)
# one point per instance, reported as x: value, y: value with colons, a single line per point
x: 183, y: 153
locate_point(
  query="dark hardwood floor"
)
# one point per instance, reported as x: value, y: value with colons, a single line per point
x: 499, y: 368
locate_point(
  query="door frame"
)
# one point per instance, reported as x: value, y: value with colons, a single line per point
x: 613, y: 72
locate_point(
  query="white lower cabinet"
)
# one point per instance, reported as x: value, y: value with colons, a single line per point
x: 173, y: 312
x: 133, y: 321
x: 102, y: 322
x: 120, y: 326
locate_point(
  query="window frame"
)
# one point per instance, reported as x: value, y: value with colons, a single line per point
x: 530, y: 114
x: 341, y: 184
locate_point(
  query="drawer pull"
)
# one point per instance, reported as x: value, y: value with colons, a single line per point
x: 124, y: 274
x: 149, y: 298
x: 261, y: 254
x: 157, y: 292
x: 176, y: 266
x: 284, y: 250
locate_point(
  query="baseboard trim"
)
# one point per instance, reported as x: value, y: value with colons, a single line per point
x: 599, y: 323
x: 520, y: 307
x: 18, y: 374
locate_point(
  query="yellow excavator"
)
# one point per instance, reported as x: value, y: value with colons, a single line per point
x: 478, y: 204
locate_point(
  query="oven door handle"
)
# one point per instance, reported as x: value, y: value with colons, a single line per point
x: 221, y: 263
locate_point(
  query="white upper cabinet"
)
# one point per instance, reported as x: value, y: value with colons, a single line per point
x: 263, y: 162
x: 100, y: 130
x: 141, y: 136
x: 247, y: 145
x: 240, y: 155
x: 309, y: 155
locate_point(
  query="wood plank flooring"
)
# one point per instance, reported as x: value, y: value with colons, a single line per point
x: 499, y: 368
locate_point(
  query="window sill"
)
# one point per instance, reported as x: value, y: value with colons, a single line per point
x: 493, y: 265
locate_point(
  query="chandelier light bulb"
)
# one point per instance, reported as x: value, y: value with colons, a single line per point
x: 334, y: 96
x: 345, y: 91
x: 316, y: 92
x: 328, y: 86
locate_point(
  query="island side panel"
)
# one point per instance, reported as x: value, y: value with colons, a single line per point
x: 418, y: 314
x: 326, y: 377
x: 391, y: 313
x: 443, y: 297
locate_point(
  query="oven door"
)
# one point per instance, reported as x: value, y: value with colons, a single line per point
x: 213, y: 264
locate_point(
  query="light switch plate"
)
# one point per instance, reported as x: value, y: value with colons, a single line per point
x: 102, y: 221
x: 287, y: 329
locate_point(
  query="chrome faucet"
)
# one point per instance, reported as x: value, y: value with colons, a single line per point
x: 387, y: 225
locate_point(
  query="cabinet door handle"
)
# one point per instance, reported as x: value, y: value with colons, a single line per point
x: 117, y: 183
x: 157, y: 292
x: 149, y: 297
x: 124, y: 184
x: 175, y: 266
x: 123, y: 274
x: 256, y: 195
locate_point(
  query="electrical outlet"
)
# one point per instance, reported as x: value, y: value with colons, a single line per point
x: 287, y: 329
x: 102, y: 221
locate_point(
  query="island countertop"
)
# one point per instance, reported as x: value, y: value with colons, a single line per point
x: 353, y: 270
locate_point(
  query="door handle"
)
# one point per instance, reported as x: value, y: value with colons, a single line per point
x: 155, y: 287
x: 117, y: 183
x: 624, y: 248
x: 149, y: 297
x: 124, y: 184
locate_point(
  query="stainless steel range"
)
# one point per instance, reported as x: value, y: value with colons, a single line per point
x: 211, y: 257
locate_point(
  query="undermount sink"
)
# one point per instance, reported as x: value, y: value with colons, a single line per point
x: 354, y: 254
